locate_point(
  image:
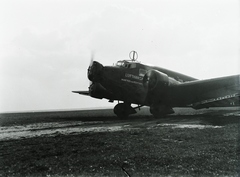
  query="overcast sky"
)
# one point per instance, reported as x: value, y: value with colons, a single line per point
x: 45, y: 45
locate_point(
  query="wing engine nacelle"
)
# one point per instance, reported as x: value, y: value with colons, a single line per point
x: 96, y: 90
x: 155, y: 80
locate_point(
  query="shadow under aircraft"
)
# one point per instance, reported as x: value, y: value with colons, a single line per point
x: 131, y: 82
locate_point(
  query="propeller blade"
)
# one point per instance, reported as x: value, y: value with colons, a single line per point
x: 90, y: 65
x: 90, y: 83
x: 92, y: 58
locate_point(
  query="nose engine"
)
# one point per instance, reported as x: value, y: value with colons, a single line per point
x: 95, y: 71
x: 95, y: 75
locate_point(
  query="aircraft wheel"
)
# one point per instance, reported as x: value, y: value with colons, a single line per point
x: 122, y: 116
x: 160, y: 111
x: 121, y: 110
x: 156, y: 113
x: 158, y: 116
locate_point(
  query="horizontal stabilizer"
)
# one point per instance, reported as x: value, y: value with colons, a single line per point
x: 82, y: 92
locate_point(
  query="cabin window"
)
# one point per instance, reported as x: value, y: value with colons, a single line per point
x: 125, y: 65
x: 119, y: 63
x: 133, y: 65
x: 142, y: 72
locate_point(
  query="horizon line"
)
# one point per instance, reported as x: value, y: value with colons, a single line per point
x: 54, y: 110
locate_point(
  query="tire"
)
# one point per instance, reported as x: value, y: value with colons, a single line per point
x: 120, y: 111
x: 122, y: 116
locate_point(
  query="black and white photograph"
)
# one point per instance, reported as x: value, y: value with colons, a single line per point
x: 119, y: 88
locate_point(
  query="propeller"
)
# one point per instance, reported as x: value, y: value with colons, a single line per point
x: 91, y: 60
x: 94, y: 70
x: 154, y: 78
x: 89, y: 69
x: 94, y: 73
x: 149, y: 80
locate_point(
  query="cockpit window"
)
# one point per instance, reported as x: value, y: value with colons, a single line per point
x: 119, y: 63
x: 126, y: 64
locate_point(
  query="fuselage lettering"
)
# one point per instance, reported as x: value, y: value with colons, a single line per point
x: 127, y: 75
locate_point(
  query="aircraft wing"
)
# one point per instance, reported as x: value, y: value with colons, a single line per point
x: 82, y: 92
x: 177, y: 76
x: 224, y: 101
x: 219, y: 92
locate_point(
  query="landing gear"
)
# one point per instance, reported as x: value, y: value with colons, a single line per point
x: 159, y: 111
x: 123, y: 110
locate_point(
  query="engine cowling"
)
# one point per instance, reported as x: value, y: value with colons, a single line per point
x: 154, y: 79
x: 95, y: 71
x: 96, y: 90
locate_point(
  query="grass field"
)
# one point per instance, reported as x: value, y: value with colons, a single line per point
x: 148, y: 151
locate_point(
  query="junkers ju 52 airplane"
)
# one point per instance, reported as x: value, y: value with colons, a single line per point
x: 132, y: 82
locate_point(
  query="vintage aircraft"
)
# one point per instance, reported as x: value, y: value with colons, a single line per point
x: 132, y: 82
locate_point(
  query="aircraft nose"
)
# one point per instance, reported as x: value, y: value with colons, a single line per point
x: 94, y: 71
